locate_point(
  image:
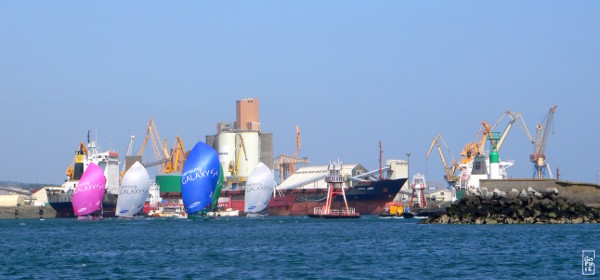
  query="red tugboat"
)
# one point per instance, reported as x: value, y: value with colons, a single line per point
x: 334, y: 181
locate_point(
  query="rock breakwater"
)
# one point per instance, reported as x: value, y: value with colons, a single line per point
x: 524, y: 207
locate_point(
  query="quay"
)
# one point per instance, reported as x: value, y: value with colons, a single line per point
x: 27, y: 212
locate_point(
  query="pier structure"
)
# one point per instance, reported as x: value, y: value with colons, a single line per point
x: 335, y: 187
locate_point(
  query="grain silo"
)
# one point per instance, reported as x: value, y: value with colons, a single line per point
x: 242, y: 145
x: 250, y: 155
x: 226, y: 148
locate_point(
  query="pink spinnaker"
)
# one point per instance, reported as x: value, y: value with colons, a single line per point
x: 89, y: 192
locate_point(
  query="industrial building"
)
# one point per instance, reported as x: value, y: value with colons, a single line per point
x: 40, y: 197
x: 242, y: 145
x: 440, y: 195
x: 8, y: 199
x: 22, y: 197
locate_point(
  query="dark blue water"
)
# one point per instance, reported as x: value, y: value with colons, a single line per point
x: 289, y: 248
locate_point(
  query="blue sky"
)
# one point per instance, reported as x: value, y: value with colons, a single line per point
x: 348, y: 73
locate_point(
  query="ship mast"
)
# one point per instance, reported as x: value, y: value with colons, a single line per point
x: 380, y: 155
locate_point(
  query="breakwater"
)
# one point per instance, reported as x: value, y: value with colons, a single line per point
x: 516, y: 207
x: 586, y: 193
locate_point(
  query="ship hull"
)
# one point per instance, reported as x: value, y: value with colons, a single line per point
x: 367, y: 199
x: 64, y: 206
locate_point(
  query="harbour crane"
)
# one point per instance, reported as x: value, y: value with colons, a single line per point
x: 130, y: 146
x: 450, y: 176
x: 129, y: 149
x: 514, y: 117
x: 160, y: 151
x: 177, y: 157
x: 285, y: 164
x: 476, y: 147
x: 538, y: 157
x: 234, y: 168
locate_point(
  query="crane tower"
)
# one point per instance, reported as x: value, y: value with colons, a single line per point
x: 538, y: 157
x: 285, y: 164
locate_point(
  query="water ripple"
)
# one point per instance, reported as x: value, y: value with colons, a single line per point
x: 289, y: 248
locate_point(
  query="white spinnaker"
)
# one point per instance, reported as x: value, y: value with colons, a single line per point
x: 259, y: 189
x: 133, y: 191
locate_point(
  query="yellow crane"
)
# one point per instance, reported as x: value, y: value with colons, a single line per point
x: 285, y: 164
x: 160, y: 151
x: 449, y: 170
x: 298, y: 145
x: 234, y: 168
x: 476, y: 147
x: 514, y: 118
x: 177, y: 157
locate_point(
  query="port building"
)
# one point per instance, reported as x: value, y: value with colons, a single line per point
x: 40, y: 197
x: 242, y: 144
x: 8, y: 199
x: 445, y: 195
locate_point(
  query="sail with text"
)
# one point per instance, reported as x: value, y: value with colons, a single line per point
x: 199, y: 178
x: 88, y: 194
x: 259, y: 189
x: 133, y: 191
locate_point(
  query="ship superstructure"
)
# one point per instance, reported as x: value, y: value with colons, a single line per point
x: 479, y: 169
x: 108, y: 161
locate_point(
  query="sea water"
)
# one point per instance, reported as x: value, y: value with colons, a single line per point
x: 290, y: 248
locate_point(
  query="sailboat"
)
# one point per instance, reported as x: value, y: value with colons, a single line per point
x: 88, y: 194
x: 200, y: 179
x: 259, y: 190
x: 215, y: 200
x: 133, y: 191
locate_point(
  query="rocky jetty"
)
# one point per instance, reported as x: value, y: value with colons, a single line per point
x: 524, y: 207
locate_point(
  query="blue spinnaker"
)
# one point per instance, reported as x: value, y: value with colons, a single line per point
x: 199, y: 177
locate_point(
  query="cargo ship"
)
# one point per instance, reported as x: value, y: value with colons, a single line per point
x: 61, y: 202
x: 367, y: 198
x: 61, y: 199
x: 306, y: 189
